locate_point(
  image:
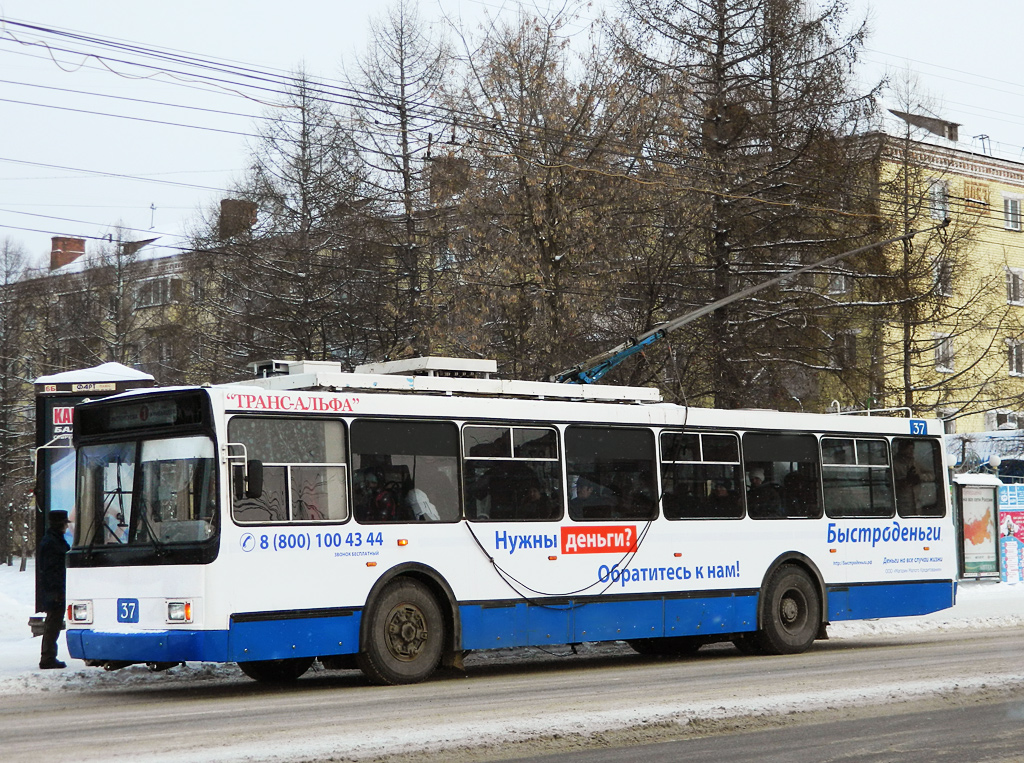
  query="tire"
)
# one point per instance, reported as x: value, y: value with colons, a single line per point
x: 404, y: 636
x: 791, y: 612
x: 671, y: 646
x: 276, y: 671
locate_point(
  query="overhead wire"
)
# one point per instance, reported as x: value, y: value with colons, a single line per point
x: 629, y: 152
x: 248, y: 71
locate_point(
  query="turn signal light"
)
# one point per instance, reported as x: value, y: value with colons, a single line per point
x: 403, y: 542
x: 80, y: 612
x: 179, y: 611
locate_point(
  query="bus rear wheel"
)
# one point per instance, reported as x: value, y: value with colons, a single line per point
x: 404, y: 636
x: 276, y: 671
x: 791, y: 614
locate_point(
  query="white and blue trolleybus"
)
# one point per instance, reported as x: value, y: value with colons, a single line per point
x: 397, y: 517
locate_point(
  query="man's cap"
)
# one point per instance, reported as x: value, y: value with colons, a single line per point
x: 58, y: 517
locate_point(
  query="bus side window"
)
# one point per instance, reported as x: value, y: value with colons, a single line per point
x: 856, y: 478
x: 611, y: 472
x: 701, y: 476
x: 917, y: 472
x: 405, y: 471
x: 782, y: 474
x: 512, y: 473
x: 304, y: 470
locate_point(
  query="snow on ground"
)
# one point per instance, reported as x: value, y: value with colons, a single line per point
x: 980, y: 604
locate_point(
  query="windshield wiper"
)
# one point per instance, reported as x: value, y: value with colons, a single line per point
x: 143, y: 514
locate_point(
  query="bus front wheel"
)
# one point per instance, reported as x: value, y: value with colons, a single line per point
x: 404, y: 635
x: 791, y: 615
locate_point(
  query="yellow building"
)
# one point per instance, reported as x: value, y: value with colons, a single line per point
x: 946, y: 335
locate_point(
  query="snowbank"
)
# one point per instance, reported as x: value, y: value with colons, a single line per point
x: 979, y: 605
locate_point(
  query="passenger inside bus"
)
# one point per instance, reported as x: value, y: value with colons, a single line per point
x: 588, y: 498
x: 375, y: 500
x: 722, y: 502
x: 508, y: 490
x: 420, y: 506
x: 763, y: 498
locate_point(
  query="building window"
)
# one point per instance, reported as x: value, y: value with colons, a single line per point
x: 1011, y: 213
x: 943, y: 353
x: 158, y: 291
x: 839, y: 283
x: 804, y: 280
x: 164, y: 350
x: 1015, y: 353
x: 948, y: 416
x: 1005, y: 420
x: 844, y: 349
x: 976, y: 195
x: 942, y: 270
x: 938, y: 199
x: 1014, y: 286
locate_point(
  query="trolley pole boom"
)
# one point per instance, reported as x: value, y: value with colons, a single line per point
x: 592, y: 369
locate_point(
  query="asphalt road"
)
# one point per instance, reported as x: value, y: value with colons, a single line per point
x: 955, y: 696
x: 978, y: 733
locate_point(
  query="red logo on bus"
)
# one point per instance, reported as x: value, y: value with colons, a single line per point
x: 63, y: 416
x: 606, y: 539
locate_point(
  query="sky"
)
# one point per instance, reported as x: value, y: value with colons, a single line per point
x: 81, y: 153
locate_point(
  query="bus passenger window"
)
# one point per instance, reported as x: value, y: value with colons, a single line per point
x: 782, y: 475
x: 405, y: 471
x: 611, y: 473
x: 917, y: 470
x: 272, y: 505
x: 304, y: 472
x: 512, y: 473
x: 701, y: 476
x: 856, y: 478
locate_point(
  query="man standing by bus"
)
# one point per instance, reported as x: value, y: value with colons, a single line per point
x: 52, y: 579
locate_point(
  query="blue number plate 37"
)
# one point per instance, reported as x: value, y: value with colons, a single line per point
x: 127, y: 610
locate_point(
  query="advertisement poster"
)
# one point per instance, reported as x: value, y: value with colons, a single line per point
x: 1011, y: 532
x: 979, y: 515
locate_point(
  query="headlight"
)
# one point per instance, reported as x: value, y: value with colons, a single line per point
x: 179, y: 611
x: 80, y: 612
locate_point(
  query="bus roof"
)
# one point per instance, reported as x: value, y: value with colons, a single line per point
x: 434, y: 375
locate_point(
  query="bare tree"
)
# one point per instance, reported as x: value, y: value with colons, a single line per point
x: 16, y: 432
x: 395, y: 123
x: 278, y: 270
x: 547, y: 205
x: 760, y: 112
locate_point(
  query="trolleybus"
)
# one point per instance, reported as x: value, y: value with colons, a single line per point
x: 395, y: 518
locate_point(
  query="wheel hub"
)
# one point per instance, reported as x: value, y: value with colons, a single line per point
x: 789, y: 609
x: 406, y: 632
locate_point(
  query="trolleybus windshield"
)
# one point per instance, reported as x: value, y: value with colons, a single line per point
x: 150, y: 492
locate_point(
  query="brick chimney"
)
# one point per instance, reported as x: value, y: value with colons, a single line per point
x: 65, y: 250
x: 236, y: 217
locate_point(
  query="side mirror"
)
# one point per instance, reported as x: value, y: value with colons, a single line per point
x: 247, y: 481
x: 254, y: 485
